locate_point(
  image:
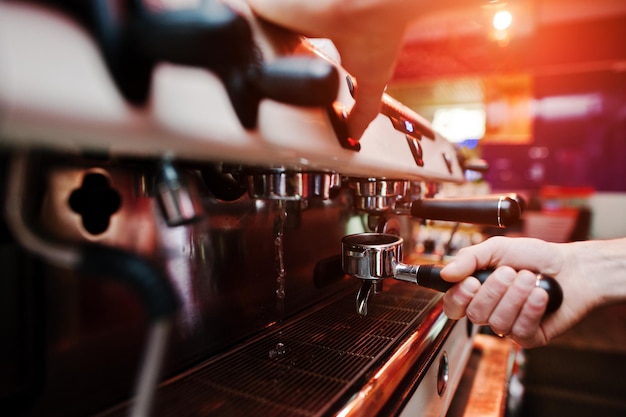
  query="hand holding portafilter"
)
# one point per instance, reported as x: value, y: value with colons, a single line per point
x: 376, y: 256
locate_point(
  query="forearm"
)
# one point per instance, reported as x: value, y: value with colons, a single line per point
x: 603, y: 264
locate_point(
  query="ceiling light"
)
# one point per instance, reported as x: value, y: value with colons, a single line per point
x: 502, y: 20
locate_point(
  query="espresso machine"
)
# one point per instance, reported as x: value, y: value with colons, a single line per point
x: 176, y: 184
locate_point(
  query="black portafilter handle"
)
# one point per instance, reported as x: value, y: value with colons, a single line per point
x: 430, y: 276
x: 492, y: 210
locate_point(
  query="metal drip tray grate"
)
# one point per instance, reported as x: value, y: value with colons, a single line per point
x: 302, y: 369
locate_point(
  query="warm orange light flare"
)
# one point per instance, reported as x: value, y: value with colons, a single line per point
x: 502, y: 20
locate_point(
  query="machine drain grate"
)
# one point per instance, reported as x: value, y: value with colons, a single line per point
x: 303, y: 367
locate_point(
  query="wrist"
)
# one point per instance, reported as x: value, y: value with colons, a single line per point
x: 602, y: 264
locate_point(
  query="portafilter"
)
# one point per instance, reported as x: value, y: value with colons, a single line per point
x: 372, y: 257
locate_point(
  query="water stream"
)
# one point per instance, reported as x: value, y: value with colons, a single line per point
x: 279, y: 251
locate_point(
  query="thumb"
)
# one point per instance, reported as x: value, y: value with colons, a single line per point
x: 458, y: 270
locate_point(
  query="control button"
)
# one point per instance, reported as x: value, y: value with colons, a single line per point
x: 443, y: 374
x: 404, y: 119
x: 404, y: 125
x: 416, y: 150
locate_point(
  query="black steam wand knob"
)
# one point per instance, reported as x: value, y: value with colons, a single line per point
x: 498, y: 211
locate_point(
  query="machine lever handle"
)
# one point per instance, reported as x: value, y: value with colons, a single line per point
x: 301, y: 81
x: 498, y: 211
x: 430, y: 276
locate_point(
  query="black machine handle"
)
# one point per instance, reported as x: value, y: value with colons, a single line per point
x: 430, y: 276
x: 498, y: 211
x: 301, y: 81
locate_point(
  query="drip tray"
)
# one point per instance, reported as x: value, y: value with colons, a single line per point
x: 309, y: 366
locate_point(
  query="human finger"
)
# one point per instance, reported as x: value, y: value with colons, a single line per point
x: 505, y: 313
x: 303, y: 17
x: 365, y: 109
x: 489, y: 295
x: 460, y: 268
x: 527, y: 328
x: 368, y: 50
x: 518, y: 253
x: 457, y: 298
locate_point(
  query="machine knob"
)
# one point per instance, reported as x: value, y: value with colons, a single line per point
x: 476, y: 165
x: 498, y: 211
x: 301, y: 81
x: 217, y: 38
x: 212, y: 36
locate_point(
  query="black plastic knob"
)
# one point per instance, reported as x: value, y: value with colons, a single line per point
x: 498, y: 211
x: 301, y: 81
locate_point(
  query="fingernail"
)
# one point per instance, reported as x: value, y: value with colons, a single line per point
x: 450, y: 267
x: 538, y: 297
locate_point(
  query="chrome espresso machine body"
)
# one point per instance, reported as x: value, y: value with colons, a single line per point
x: 173, y: 208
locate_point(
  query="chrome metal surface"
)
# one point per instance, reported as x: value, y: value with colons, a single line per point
x: 290, y: 185
x: 150, y: 372
x: 375, y: 256
x: 377, y: 195
x: 363, y: 295
x: 55, y: 253
x: 179, y: 200
x: 372, y: 187
x: 406, y: 273
x: 371, y: 256
x: 375, y: 204
x: 500, y: 211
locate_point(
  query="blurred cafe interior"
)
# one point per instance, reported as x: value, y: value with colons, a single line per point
x: 187, y: 228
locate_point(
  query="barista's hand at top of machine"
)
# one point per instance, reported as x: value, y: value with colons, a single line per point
x: 591, y: 274
x: 367, y: 33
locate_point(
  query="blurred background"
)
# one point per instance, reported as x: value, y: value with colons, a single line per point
x: 537, y: 88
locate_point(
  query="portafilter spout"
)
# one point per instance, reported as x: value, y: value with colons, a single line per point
x: 373, y: 257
